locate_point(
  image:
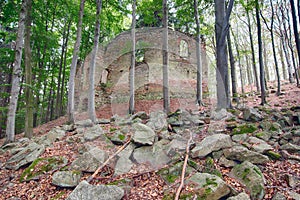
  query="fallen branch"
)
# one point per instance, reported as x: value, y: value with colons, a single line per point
x: 184, y: 166
x: 106, y: 162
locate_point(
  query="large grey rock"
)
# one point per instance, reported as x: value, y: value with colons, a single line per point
x: 25, y: 156
x: 66, y: 178
x: 90, y: 161
x: 213, y: 187
x: 158, y: 121
x: 241, y: 196
x: 251, y: 176
x: 176, y: 145
x: 154, y: 156
x: 241, y: 154
x: 54, y: 135
x: 221, y: 115
x: 290, y: 147
x: 143, y: 134
x: 124, y: 163
x: 84, y: 123
x: 259, y: 145
x: 85, y: 191
x: 252, y: 114
x: 93, y: 133
x: 211, y: 143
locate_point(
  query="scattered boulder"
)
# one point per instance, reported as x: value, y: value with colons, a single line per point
x: 90, y: 161
x: 154, y: 156
x: 209, y: 186
x: 211, y: 143
x: 124, y: 162
x: 252, y: 114
x: 241, y: 154
x: 94, y: 192
x: 290, y: 147
x: 84, y: 123
x: 221, y: 115
x: 93, y: 133
x: 25, y: 156
x: 143, y: 134
x: 41, y: 166
x: 259, y: 145
x: 66, y: 178
x: 251, y: 176
x: 279, y: 196
x: 53, y: 135
x: 157, y: 121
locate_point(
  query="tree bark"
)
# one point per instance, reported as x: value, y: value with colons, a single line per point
x: 260, y: 50
x: 10, y: 124
x: 28, y: 74
x: 165, y: 54
x: 295, y: 26
x: 70, y: 112
x: 253, y: 54
x: 285, y: 77
x: 233, y: 71
x: 221, y: 31
x: 198, y: 55
x: 132, y: 67
x: 91, y: 99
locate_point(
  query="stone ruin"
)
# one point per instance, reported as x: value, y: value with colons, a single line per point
x: 113, y: 63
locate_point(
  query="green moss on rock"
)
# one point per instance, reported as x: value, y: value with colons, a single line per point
x: 245, y: 128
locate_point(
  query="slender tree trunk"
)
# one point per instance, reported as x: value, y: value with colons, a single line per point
x: 267, y: 71
x: 71, y: 94
x: 249, y: 72
x: 282, y: 61
x: 198, y: 55
x: 295, y: 26
x: 253, y: 53
x: 221, y: 30
x: 28, y: 74
x: 239, y: 61
x: 10, y: 124
x: 165, y: 55
x: 132, y: 67
x: 91, y: 99
x: 233, y: 70
x: 260, y: 50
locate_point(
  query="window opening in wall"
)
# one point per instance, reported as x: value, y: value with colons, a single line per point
x: 139, y: 52
x: 184, y: 49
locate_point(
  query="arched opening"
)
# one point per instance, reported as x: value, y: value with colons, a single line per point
x: 139, y: 52
x: 184, y: 49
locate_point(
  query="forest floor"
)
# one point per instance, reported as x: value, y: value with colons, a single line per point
x: 143, y: 182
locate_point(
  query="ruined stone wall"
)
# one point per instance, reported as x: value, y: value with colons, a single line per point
x: 113, y: 63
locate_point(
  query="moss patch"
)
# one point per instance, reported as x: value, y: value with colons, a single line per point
x: 40, y: 166
x: 245, y: 128
x: 273, y: 155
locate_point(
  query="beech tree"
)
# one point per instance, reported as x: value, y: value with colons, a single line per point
x: 221, y: 31
x: 198, y: 55
x: 28, y: 73
x: 15, y: 88
x: 91, y: 99
x: 132, y: 67
x: 165, y: 55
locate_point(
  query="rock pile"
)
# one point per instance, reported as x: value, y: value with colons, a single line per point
x: 243, y: 140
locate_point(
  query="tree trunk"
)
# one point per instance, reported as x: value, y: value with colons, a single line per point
x: 282, y: 61
x: 267, y: 71
x: 221, y: 31
x: 260, y: 50
x: 71, y: 94
x: 253, y: 53
x: 295, y: 26
x: 165, y: 55
x: 28, y: 74
x: 10, y: 124
x: 233, y: 71
x: 198, y: 55
x: 91, y: 99
x: 239, y: 61
x: 132, y: 67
